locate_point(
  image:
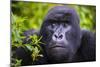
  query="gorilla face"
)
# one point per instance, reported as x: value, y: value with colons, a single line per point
x: 61, y: 34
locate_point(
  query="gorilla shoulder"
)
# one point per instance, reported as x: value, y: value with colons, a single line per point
x: 88, y: 46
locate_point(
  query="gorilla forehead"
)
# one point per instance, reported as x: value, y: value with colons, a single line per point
x: 61, y: 9
x: 61, y: 13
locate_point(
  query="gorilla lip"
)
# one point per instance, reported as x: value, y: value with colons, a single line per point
x: 57, y: 45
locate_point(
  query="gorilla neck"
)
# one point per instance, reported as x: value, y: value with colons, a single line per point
x: 59, y: 59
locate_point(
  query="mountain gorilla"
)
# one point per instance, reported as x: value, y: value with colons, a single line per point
x: 63, y: 39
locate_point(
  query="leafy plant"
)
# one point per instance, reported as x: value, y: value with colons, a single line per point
x: 16, y: 62
x: 18, y: 27
x: 34, y: 47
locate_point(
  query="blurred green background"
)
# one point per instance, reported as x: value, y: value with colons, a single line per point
x: 30, y: 15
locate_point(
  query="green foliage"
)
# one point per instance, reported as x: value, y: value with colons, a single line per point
x: 18, y: 27
x: 16, y: 62
x: 87, y: 16
x: 30, y: 15
x: 34, y: 47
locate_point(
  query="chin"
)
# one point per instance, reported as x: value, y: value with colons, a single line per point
x: 58, y: 54
x: 59, y: 58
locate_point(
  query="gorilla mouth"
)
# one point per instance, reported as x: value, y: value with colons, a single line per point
x: 57, y: 46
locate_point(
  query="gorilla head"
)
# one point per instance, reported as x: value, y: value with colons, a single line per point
x: 61, y: 34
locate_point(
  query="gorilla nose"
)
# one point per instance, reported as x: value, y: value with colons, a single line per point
x: 58, y: 36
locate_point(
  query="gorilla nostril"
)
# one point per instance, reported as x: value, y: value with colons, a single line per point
x: 60, y: 36
x: 56, y: 36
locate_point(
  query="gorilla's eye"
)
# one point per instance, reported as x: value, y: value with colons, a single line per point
x: 53, y: 25
x: 64, y: 24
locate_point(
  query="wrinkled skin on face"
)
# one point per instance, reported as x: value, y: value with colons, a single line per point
x: 61, y: 34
